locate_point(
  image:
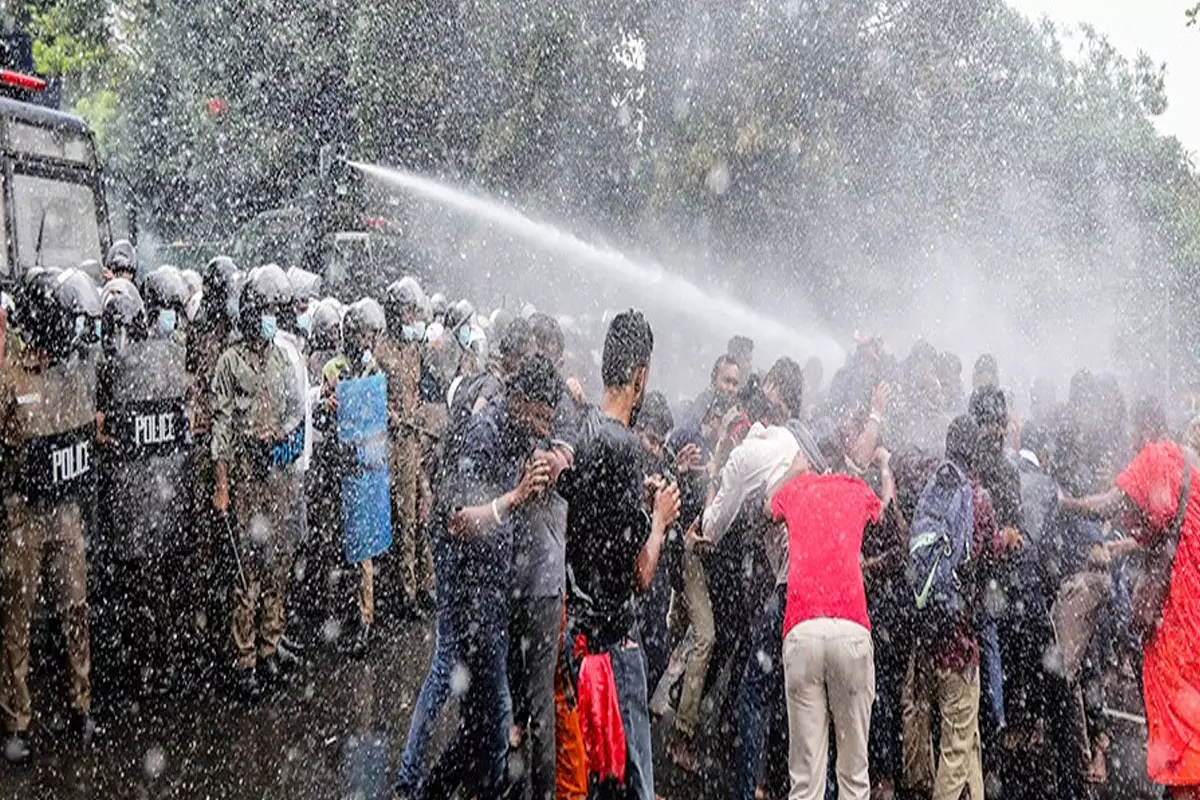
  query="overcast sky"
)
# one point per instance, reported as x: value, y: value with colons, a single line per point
x: 1156, y: 26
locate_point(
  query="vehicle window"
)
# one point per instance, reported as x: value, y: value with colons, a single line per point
x: 70, y: 146
x: 57, y: 216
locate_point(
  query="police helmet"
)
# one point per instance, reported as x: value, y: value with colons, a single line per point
x: 192, y: 280
x: 164, y: 288
x: 362, y: 317
x: 403, y: 295
x: 459, y: 314
x: 218, y: 276
x: 437, y: 306
x: 37, y: 313
x: 122, y: 257
x: 305, y: 285
x: 77, y: 294
x: 266, y: 291
x: 326, y: 333
x: 124, y: 311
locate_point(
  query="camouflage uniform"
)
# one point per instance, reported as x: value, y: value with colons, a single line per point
x: 257, y: 431
x: 401, y: 362
x: 47, y: 428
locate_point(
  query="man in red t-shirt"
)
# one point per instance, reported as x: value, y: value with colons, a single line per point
x: 828, y: 659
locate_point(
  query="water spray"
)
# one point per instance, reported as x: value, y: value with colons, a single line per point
x: 665, y: 289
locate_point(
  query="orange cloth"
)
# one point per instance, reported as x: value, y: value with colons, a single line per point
x: 570, y: 772
x: 1171, y: 668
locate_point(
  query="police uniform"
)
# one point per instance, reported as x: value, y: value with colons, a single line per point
x: 206, y: 342
x: 258, y: 432
x: 47, y: 428
x: 401, y: 362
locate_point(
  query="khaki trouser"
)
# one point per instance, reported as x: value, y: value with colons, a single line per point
x: 704, y: 635
x: 366, y: 592
x: 53, y: 538
x: 828, y: 672
x: 960, y: 764
x: 205, y: 585
x: 414, y: 543
x: 264, y: 548
x: 1076, y: 611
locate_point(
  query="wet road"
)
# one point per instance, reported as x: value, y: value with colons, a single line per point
x: 334, y: 730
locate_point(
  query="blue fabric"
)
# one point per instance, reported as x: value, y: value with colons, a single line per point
x: 489, y: 461
x: 366, y: 491
x: 992, y: 670
x: 476, y: 757
x: 629, y: 675
x: 435, y: 691
x: 760, y: 693
x: 362, y: 408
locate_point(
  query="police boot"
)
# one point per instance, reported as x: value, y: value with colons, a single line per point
x: 247, y: 684
x: 83, y: 727
x: 16, y: 748
x: 362, y: 641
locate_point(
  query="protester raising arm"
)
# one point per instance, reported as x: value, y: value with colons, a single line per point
x: 862, y: 451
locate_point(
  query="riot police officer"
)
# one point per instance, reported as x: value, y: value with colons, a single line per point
x: 142, y: 432
x: 47, y: 429
x: 208, y: 336
x: 325, y: 337
x: 363, y: 328
x: 399, y: 355
x: 120, y: 261
x: 257, y: 435
x: 165, y: 294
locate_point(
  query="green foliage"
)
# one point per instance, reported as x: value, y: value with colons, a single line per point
x: 845, y: 144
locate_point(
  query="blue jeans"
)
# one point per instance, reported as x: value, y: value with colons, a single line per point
x: 629, y: 675
x: 435, y: 691
x: 760, y: 693
x: 992, y: 670
x: 477, y: 756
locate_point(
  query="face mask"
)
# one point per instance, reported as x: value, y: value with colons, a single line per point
x: 414, y: 332
x: 167, y: 320
x: 79, y: 327
x: 304, y: 322
x: 464, y: 336
x: 267, y: 327
x: 367, y: 358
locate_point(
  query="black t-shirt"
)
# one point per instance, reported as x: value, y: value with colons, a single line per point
x: 607, y: 526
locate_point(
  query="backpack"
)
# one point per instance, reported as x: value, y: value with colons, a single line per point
x: 939, y: 545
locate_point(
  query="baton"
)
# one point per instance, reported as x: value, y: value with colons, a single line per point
x: 237, y: 556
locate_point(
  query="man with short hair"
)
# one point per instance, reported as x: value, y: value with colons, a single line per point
x: 495, y: 473
x: 616, y: 525
x: 723, y: 384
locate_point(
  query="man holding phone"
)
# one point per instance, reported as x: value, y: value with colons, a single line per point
x: 494, y: 474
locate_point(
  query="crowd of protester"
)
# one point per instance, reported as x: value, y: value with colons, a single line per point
x: 887, y: 586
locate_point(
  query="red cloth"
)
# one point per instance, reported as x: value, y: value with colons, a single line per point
x: 825, y: 516
x: 600, y: 714
x: 1171, y: 667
